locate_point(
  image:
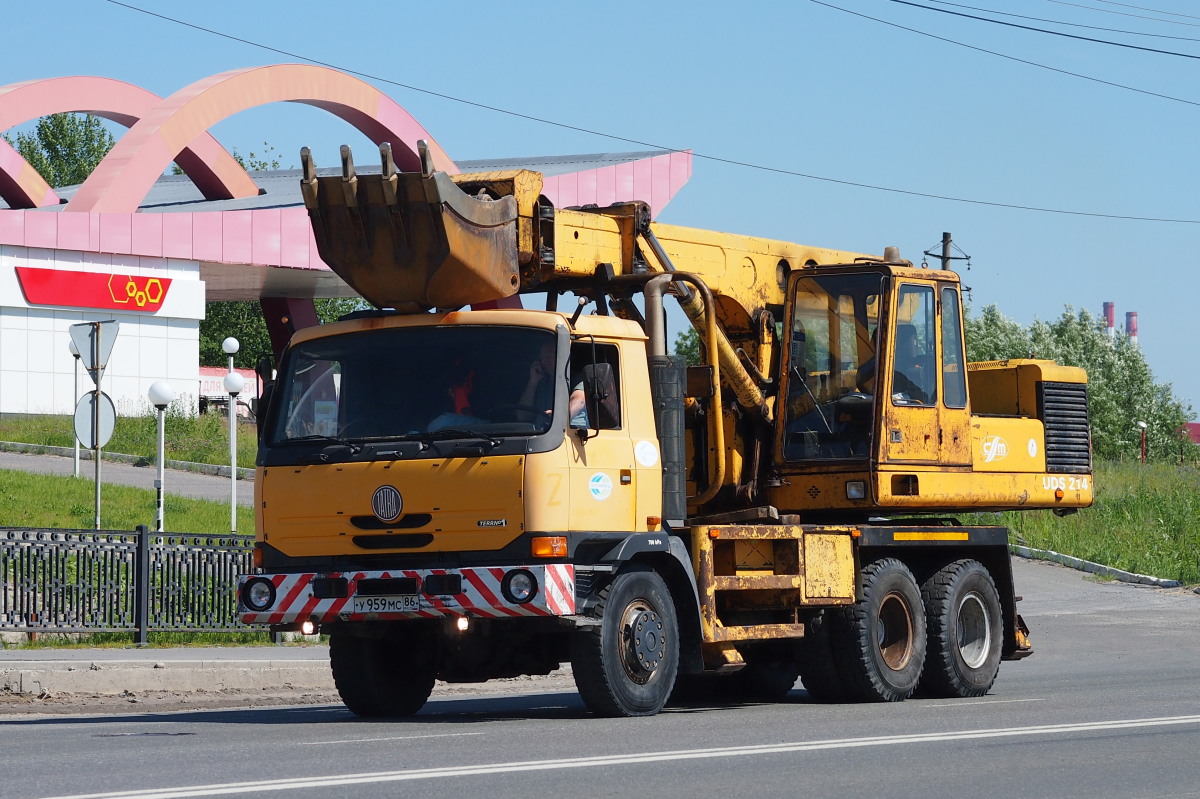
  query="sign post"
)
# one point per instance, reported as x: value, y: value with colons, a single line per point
x: 95, y: 415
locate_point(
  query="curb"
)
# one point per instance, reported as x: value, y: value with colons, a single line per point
x: 116, y: 457
x: 39, y: 678
x: 1094, y: 568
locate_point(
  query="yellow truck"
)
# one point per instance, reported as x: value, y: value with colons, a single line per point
x: 472, y: 494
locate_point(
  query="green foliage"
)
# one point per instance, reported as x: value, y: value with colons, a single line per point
x: 687, y: 346
x: 244, y: 321
x: 64, y: 148
x: 255, y: 162
x: 1143, y: 521
x: 43, y: 500
x: 1121, y: 387
x: 196, y: 439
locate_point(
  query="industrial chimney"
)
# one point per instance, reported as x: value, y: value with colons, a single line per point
x: 1110, y: 319
x: 1131, y: 327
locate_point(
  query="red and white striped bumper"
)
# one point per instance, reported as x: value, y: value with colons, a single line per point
x: 481, y: 595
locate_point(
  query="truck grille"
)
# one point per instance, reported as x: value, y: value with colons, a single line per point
x: 1063, y: 409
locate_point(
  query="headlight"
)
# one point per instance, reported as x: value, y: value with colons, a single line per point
x: 519, y: 586
x: 258, y: 594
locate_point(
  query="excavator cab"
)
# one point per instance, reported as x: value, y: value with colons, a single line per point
x: 874, y: 380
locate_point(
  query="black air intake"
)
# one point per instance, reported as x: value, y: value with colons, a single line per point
x: 1063, y: 409
x: 668, y: 377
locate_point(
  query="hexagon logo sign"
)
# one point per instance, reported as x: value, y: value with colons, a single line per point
x: 135, y: 293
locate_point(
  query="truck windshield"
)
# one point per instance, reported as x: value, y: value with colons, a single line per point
x: 830, y: 380
x: 416, y: 382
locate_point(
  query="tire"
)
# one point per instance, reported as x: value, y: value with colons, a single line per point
x: 818, y: 671
x: 962, y: 609
x: 626, y: 665
x: 381, y: 677
x: 770, y: 673
x: 879, y: 643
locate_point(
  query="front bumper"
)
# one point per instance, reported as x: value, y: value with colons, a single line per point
x: 344, y: 596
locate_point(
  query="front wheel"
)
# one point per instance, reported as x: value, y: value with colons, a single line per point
x: 626, y: 665
x: 963, y: 611
x: 381, y: 676
x: 879, y: 643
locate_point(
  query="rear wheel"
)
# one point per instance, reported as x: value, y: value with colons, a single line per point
x: 879, y: 643
x: 962, y: 607
x: 380, y: 677
x: 626, y: 665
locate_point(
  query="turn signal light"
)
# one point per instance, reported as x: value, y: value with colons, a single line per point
x: 1059, y: 493
x: 549, y: 546
x: 256, y: 558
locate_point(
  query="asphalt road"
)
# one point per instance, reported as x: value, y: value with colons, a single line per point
x: 1109, y: 706
x: 193, y: 485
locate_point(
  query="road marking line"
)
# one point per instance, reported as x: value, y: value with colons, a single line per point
x: 394, y: 738
x: 308, y: 783
x: 965, y: 703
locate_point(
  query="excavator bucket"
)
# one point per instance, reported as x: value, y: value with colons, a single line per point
x: 412, y: 241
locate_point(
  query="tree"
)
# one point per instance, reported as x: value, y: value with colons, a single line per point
x: 64, y: 148
x: 244, y: 321
x: 992, y: 336
x: 687, y: 346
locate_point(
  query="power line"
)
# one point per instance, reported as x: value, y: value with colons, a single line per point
x: 1144, y: 8
x: 1134, y: 16
x: 703, y: 156
x: 1068, y: 24
x: 1008, y: 57
x: 1050, y: 32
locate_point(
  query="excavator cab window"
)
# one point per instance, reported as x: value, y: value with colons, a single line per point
x: 830, y: 375
x: 914, y: 375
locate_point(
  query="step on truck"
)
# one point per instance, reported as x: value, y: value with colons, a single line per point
x: 454, y: 487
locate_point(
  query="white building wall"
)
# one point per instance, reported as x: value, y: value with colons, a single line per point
x: 37, y: 370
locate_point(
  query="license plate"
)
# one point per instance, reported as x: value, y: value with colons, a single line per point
x: 404, y: 603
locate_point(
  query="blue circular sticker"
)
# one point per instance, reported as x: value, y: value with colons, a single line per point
x: 600, y: 485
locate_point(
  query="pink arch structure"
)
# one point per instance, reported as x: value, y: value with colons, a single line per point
x: 124, y: 177
x: 266, y: 254
x: 215, y: 172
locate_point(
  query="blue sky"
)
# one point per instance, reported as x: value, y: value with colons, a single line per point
x: 798, y: 86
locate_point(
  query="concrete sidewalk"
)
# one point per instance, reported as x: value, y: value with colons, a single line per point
x: 41, y: 672
x: 190, y: 484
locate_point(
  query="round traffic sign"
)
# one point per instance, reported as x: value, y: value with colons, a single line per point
x: 86, y: 431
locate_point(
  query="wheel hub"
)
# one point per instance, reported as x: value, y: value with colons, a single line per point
x: 643, y: 641
x: 895, y: 631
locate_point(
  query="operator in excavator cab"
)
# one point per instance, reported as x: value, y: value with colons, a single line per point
x: 913, y: 380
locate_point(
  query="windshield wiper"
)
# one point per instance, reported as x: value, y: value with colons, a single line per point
x: 354, y: 447
x: 451, y: 434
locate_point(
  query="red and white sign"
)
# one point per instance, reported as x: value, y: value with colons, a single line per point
x: 135, y: 293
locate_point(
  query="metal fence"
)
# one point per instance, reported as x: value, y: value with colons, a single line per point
x: 113, y: 580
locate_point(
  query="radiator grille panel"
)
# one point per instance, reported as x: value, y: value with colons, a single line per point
x: 1063, y: 409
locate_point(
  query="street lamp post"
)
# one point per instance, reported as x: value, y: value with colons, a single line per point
x: 75, y: 354
x: 1142, y: 425
x: 233, y: 385
x: 160, y: 394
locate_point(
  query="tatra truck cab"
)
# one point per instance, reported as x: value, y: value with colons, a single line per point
x: 472, y: 494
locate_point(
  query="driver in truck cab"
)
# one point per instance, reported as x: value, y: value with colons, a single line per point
x: 538, y: 394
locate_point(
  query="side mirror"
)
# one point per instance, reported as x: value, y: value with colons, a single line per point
x: 600, y: 391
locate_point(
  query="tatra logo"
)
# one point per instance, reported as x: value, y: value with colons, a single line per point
x: 994, y: 448
x: 386, y: 503
x: 93, y: 289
